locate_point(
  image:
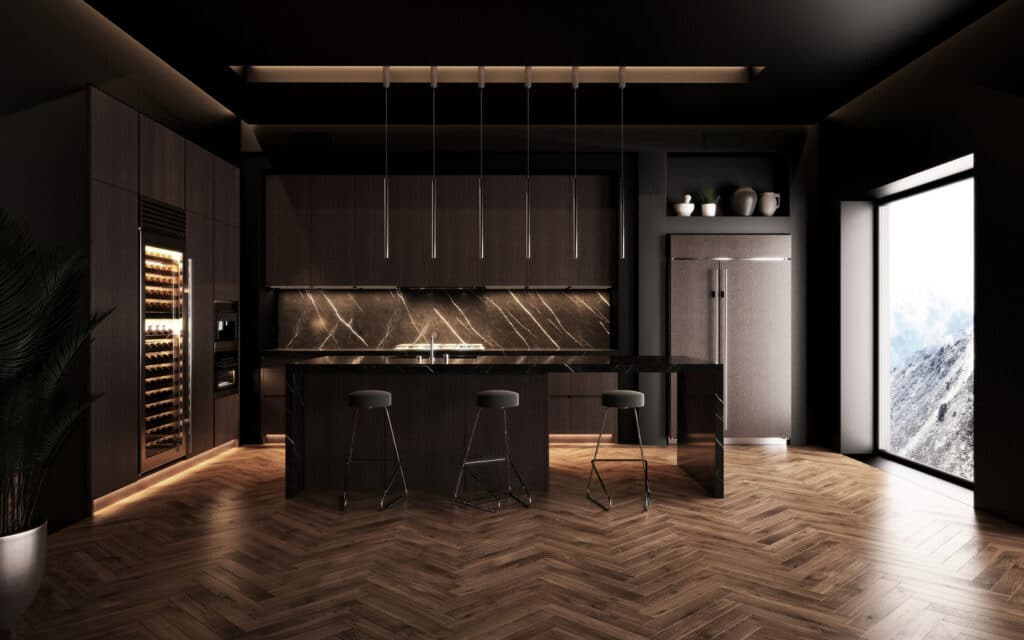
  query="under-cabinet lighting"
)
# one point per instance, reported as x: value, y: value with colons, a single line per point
x: 501, y: 74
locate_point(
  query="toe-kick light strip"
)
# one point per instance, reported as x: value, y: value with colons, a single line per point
x: 498, y: 74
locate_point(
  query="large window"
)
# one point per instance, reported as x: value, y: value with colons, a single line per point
x: 926, y: 327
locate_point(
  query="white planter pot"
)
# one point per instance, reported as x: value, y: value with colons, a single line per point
x: 708, y: 210
x: 22, y: 564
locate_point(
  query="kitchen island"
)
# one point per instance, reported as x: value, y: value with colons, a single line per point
x: 434, y: 406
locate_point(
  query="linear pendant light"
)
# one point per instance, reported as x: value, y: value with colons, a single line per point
x: 433, y: 163
x: 480, y: 181
x: 387, y: 195
x: 622, y: 163
x: 529, y: 236
x: 575, y: 216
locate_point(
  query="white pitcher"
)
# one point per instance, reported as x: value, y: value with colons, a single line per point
x: 769, y: 203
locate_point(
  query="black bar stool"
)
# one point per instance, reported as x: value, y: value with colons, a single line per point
x: 493, y: 399
x: 619, y: 399
x: 374, y: 399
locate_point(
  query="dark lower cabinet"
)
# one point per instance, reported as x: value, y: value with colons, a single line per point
x: 114, y: 351
x: 551, y: 230
x: 458, y: 262
x: 287, y: 231
x: 574, y: 403
x: 225, y: 424
x: 432, y: 416
x: 505, y: 229
x: 272, y: 401
x: 200, y: 250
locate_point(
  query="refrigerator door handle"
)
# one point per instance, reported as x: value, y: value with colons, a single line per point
x: 715, y: 325
x: 189, y: 346
x: 724, y: 332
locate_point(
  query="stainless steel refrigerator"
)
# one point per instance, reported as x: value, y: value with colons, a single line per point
x: 730, y: 302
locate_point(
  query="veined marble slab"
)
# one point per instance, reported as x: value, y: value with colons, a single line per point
x: 499, y: 319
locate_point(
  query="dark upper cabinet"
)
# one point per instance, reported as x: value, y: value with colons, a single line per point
x: 551, y: 262
x: 198, y: 180
x: 225, y: 261
x: 200, y: 251
x: 114, y: 142
x: 410, y: 205
x: 287, y: 231
x: 374, y: 256
x: 505, y: 228
x: 114, y: 349
x: 458, y: 262
x: 331, y: 241
x: 161, y: 163
x: 596, y: 232
x: 226, y: 192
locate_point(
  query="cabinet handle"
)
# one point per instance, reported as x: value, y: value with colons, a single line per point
x: 725, y: 347
x: 189, y: 343
x: 622, y: 220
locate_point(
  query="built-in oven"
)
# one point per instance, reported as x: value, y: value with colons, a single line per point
x: 225, y: 347
x: 225, y: 328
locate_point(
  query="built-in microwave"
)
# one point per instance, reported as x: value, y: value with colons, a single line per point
x: 225, y: 375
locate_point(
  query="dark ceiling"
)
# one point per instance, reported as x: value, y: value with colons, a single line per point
x: 818, y: 53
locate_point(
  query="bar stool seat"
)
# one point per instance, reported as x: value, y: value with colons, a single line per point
x: 503, y: 400
x: 369, y: 399
x: 374, y: 399
x: 622, y: 399
x: 619, y: 399
x: 497, y: 399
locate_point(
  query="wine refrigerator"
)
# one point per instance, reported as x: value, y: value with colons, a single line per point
x: 165, y: 354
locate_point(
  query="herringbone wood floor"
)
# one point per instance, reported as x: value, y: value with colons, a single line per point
x: 808, y: 544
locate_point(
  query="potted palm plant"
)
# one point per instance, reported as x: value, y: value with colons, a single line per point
x: 39, y: 336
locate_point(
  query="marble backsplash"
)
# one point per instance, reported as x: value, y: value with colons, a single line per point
x: 501, y: 320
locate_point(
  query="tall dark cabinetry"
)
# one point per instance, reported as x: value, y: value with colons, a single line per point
x: 199, y: 186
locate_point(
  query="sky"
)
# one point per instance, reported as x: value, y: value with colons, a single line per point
x: 931, y: 267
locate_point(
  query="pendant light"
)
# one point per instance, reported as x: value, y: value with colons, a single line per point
x: 480, y: 80
x: 622, y: 163
x: 387, y: 197
x: 433, y: 162
x: 575, y: 217
x: 529, y: 235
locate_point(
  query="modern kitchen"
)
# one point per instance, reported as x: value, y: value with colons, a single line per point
x: 596, y: 333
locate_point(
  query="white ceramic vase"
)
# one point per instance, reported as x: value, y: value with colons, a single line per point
x: 708, y: 210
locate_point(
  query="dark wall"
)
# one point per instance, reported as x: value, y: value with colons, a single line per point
x: 44, y: 184
x: 963, y: 97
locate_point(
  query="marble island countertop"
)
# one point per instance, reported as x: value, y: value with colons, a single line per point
x: 484, y: 363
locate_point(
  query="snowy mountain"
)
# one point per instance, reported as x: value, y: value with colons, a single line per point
x: 932, y: 407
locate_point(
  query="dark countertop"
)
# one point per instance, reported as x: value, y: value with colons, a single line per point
x: 508, y: 363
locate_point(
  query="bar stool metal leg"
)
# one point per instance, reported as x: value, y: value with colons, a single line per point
x: 510, y: 467
x: 399, y: 472
x: 464, y: 471
x: 348, y: 460
x: 593, y: 468
x: 646, y: 493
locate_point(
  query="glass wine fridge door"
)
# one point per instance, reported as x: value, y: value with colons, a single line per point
x: 164, y: 358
